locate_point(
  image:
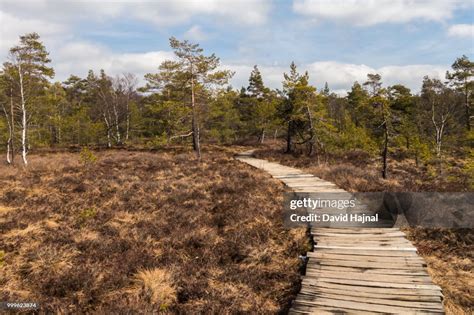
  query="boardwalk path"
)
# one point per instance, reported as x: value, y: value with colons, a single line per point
x: 356, y: 270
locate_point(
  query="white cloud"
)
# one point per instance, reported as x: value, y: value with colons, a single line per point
x: 168, y: 12
x: 12, y: 27
x: 461, y: 30
x: 195, y: 33
x: 411, y: 75
x: 341, y: 76
x: 55, y: 23
x: 78, y: 57
x: 371, y: 12
x: 163, y: 12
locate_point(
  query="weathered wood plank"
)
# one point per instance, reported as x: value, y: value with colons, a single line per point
x: 316, y: 310
x: 369, y: 277
x: 369, y: 289
x: 380, y: 295
x: 357, y: 230
x: 410, y: 249
x: 372, y: 300
x: 381, y: 258
x: 362, y: 264
x: 378, y: 284
x: 366, y: 306
x: 351, y: 251
x: 421, y: 272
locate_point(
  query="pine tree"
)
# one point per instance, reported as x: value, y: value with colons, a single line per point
x: 461, y: 79
x: 262, y: 102
x: 195, y: 71
x: 288, y: 109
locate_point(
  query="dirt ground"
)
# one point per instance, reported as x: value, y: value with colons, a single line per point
x: 449, y: 253
x: 137, y: 232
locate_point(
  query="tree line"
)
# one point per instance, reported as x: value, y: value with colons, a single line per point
x: 189, y: 98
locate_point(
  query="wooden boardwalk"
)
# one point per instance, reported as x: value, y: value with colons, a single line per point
x: 356, y: 270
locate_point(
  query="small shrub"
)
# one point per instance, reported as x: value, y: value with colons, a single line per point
x: 87, y: 157
x: 157, y: 142
x: 87, y: 214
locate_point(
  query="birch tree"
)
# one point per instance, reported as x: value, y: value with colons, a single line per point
x: 127, y: 84
x: 6, y: 88
x: 29, y: 59
x: 441, y: 106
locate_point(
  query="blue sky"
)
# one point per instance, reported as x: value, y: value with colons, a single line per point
x: 337, y: 41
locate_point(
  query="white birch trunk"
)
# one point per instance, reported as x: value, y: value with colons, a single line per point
x: 117, y: 130
x: 23, y: 117
x: 9, y: 135
x: 197, y: 145
x: 107, y: 124
x: 128, y: 119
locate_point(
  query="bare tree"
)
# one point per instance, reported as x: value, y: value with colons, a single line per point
x: 10, y: 136
x: 441, y: 105
x: 124, y: 92
x: 6, y: 86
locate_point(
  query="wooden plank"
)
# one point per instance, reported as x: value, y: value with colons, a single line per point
x: 316, y: 310
x: 350, y: 237
x: 410, y: 249
x: 316, y: 189
x: 378, y: 284
x: 365, y: 306
x: 326, y: 255
x: 304, y: 186
x: 421, y: 272
x: 380, y: 245
x: 317, y: 260
x: 294, y: 176
x: 356, y: 230
x: 371, y: 300
x: 336, y: 242
x: 370, y: 264
x: 381, y: 295
x: 359, y: 235
x: 306, y: 181
x: 360, y: 239
x: 362, y: 264
x: 369, y: 277
x: 318, y: 255
x: 368, y: 289
x: 350, y: 251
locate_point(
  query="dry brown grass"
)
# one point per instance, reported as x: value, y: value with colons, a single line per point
x: 157, y: 287
x: 141, y: 232
x: 450, y: 258
x: 448, y: 253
